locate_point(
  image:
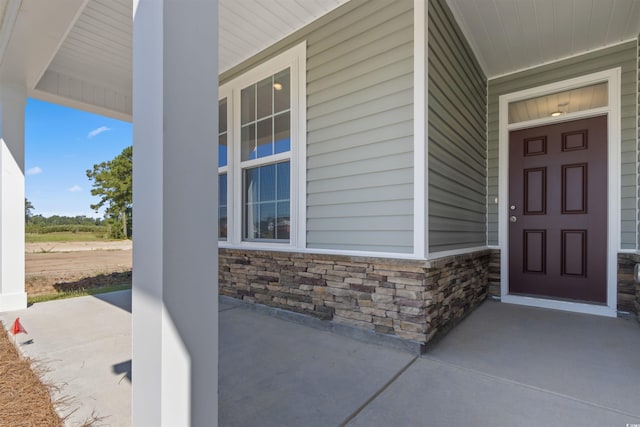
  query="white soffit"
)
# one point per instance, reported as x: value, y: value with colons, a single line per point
x: 509, y: 35
x: 98, y: 47
x: 249, y: 26
x: 92, y: 69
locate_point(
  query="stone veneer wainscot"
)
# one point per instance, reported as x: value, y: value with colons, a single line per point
x: 628, y: 289
x: 413, y: 300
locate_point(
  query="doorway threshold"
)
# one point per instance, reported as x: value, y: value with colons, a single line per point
x: 575, y: 307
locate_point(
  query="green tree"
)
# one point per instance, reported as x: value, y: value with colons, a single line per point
x: 28, y: 210
x: 112, y: 182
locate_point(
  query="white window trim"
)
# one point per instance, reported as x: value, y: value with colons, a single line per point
x: 295, y: 59
x: 613, y: 77
x: 224, y: 92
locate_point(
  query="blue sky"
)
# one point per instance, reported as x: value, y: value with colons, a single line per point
x: 60, y: 145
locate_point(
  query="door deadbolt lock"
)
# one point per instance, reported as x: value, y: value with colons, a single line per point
x: 513, y: 218
x: 512, y: 207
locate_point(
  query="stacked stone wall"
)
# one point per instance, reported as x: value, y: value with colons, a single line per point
x: 494, y: 274
x: 410, y: 299
x: 456, y: 285
x: 628, y: 289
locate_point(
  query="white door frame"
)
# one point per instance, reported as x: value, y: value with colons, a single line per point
x: 612, y: 110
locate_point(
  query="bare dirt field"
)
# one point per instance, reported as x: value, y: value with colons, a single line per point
x: 65, y: 266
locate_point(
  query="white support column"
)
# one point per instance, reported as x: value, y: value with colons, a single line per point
x: 175, y: 252
x: 12, y: 293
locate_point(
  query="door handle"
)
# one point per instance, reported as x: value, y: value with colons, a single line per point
x: 513, y: 218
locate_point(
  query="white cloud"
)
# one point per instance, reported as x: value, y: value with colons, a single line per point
x: 97, y: 131
x: 34, y: 170
x: 75, y: 189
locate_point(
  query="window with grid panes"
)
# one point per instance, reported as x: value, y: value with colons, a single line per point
x: 223, y: 161
x: 265, y: 149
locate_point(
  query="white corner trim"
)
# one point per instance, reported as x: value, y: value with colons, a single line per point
x: 613, y: 77
x: 486, y: 164
x: 301, y: 147
x: 638, y: 152
x: 420, y: 131
x: 614, y: 154
x: 503, y: 194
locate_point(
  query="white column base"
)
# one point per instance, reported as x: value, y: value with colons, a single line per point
x: 12, y: 302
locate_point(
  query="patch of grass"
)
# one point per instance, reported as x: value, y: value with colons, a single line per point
x: 76, y: 293
x: 64, y: 236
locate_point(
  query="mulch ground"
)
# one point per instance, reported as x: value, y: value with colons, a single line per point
x: 24, y: 399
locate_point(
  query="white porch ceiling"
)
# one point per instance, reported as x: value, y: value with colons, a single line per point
x: 78, y: 52
x: 92, y: 68
x: 511, y: 35
x: 98, y: 47
x: 249, y: 26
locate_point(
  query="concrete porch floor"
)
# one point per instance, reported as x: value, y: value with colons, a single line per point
x: 504, y: 365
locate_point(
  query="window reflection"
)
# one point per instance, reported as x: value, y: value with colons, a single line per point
x: 266, y: 117
x: 222, y: 203
x: 267, y: 204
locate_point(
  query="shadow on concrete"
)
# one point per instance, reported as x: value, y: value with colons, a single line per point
x: 123, y: 368
x: 120, y: 299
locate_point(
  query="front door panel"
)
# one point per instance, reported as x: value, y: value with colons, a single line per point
x: 558, y: 211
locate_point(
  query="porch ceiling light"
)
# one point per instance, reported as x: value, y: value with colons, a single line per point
x: 562, y: 108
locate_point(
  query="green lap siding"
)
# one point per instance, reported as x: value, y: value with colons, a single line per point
x: 457, y: 137
x: 360, y: 130
x: 359, y: 125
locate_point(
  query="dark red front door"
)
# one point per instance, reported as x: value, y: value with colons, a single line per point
x: 558, y: 211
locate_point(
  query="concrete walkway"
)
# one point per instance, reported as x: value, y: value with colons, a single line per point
x: 503, y: 366
x: 85, y: 344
